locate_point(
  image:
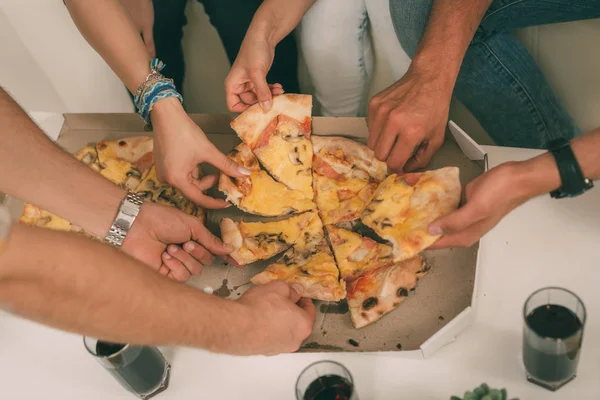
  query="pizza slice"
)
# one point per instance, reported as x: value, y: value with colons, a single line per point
x: 124, y: 161
x: 379, y: 291
x: 345, y: 177
x: 356, y: 254
x: 258, y: 193
x: 280, y: 138
x: 35, y: 216
x: 404, y: 206
x: 254, y: 241
x: 309, y: 263
x: 89, y: 156
x: 153, y: 190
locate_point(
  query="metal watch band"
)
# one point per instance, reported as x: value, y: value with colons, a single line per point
x: 573, y: 182
x: 128, y: 211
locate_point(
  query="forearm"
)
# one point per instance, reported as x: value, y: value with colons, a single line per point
x: 109, y: 30
x: 275, y: 19
x: 42, y: 174
x: 86, y: 287
x: 450, y: 29
x: 540, y: 175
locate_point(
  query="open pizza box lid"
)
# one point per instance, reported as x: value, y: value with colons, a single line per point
x: 432, y: 316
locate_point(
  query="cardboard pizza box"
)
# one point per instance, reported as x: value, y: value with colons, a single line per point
x: 432, y: 316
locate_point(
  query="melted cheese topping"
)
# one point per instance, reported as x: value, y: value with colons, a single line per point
x: 332, y: 208
x: 116, y: 171
x: 272, y: 198
x: 289, y: 229
x: 34, y: 216
x: 289, y: 162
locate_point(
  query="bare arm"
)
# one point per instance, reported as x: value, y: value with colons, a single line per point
x: 275, y: 19
x: 82, y: 286
x: 53, y: 176
x: 498, y: 191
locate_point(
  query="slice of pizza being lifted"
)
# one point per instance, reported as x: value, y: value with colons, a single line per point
x: 309, y: 263
x: 380, y: 291
x: 280, y: 138
x: 258, y: 193
x: 404, y: 205
x: 254, y: 241
x: 356, y: 254
x: 346, y: 175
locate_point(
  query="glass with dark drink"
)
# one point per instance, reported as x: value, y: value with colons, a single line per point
x: 140, y: 369
x: 325, y: 380
x: 554, y: 321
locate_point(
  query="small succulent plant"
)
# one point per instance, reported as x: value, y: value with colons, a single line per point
x: 483, y: 392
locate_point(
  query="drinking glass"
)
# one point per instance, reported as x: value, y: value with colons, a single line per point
x: 552, y: 336
x: 141, y: 370
x: 325, y: 380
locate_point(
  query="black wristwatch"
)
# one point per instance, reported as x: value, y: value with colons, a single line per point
x: 573, y: 181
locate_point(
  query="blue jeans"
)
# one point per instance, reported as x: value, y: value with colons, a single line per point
x: 498, y: 81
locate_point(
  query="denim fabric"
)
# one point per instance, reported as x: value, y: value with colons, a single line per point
x: 169, y: 20
x: 499, y: 82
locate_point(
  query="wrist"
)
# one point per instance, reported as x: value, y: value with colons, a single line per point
x: 536, y: 176
x: 104, y: 211
x: 427, y: 69
x: 166, y: 109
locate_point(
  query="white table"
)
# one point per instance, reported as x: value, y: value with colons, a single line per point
x: 545, y: 242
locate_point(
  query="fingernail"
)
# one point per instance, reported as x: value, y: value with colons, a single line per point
x: 167, y: 256
x: 228, y: 205
x: 435, y: 230
x: 265, y: 105
x: 298, y: 288
x: 244, y: 170
x: 189, y: 246
x: 173, y: 249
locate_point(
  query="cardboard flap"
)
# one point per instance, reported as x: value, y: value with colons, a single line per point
x: 469, y: 147
x: 447, y: 335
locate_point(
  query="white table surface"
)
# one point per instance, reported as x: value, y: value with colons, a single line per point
x: 545, y: 242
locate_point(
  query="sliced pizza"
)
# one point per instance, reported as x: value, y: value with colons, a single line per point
x: 309, y: 263
x: 124, y: 161
x: 356, y: 254
x: 254, y: 241
x: 258, y: 193
x: 280, y: 138
x: 379, y: 291
x: 404, y: 205
x: 345, y: 177
x: 163, y: 193
x: 89, y: 156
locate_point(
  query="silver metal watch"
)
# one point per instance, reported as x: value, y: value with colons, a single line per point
x: 128, y: 211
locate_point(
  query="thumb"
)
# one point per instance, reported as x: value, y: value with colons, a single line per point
x: 296, y: 291
x: 226, y: 164
x: 262, y: 90
x: 457, y: 221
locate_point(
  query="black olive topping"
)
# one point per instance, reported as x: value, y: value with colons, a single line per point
x: 369, y: 303
x: 402, y: 292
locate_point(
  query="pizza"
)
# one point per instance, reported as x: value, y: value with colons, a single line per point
x: 377, y: 292
x: 310, y: 263
x: 356, y: 254
x: 127, y: 162
x: 254, y: 241
x: 404, y: 205
x: 124, y: 161
x: 345, y: 177
x: 258, y: 193
x: 280, y: 139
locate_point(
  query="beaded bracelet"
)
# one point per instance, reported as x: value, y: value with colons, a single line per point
x: 154, y: 88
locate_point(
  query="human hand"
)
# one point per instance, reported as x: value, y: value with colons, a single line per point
x: 179, y: 146
x: 489, y: 198
x: 407, y: 121
x: 246, y: 82
x: 155, y: 239
x: 142, y: 15
x: 274, y: 319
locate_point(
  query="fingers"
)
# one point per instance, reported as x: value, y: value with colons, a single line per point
x: 206, y: 182
x: 295, y: 292
x: 225, y: 164
x: 189, y: 262
x: 400, y: 153
x: 249, y: 97
x: 308, y: 306
x: 376, y: 119
x: 457, y: 220
x: 231, y: 261
x: 199, y: 252
x: 424, y: 154
x: 203, y: 236
x: 193, y: 193
x: 164, y: 270
x: 178, y: 271
x: 262, y: 90
x: 466, y: 237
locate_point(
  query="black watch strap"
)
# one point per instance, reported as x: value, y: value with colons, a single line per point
x: 573, y: 181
